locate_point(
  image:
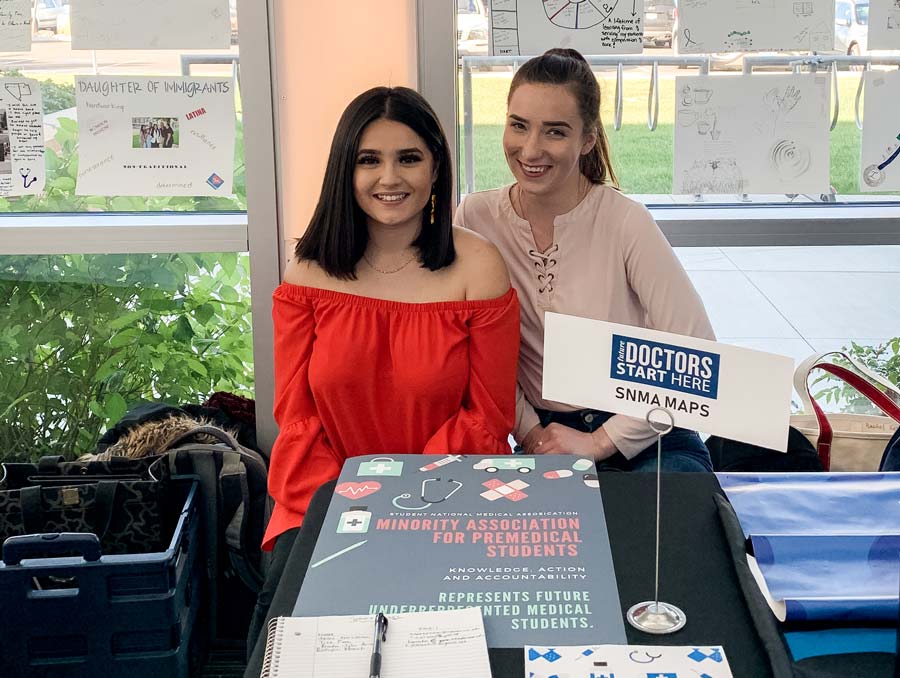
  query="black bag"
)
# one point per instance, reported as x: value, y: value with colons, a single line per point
x: 731, y: 455
x: 234, y: 512
x: 118, y: 502
x: 890, y: 461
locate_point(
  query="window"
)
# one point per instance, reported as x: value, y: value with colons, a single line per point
x: 88, y: 336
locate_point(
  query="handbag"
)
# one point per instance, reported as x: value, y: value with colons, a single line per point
x: 847, y: 442
x: 125, y: 515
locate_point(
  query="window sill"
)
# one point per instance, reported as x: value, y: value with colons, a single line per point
x: 117, y: 233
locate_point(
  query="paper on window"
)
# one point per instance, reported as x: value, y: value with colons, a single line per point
x: 590, y: 26
x: 155, y: 136
x: 160, y: 24
x: 21, y: 137
x: 763, y: 133
x: 15, y: 25
x: 754, y: 25
x: 884, y: 24
x: 880, y: 162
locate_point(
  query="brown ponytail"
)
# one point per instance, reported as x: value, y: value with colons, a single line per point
x: 568, y: 67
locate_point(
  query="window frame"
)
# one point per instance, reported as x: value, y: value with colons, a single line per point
x: 254, y: 231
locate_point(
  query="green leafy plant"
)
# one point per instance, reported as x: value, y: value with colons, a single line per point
x: 883, y: 359
x: 85, y: 337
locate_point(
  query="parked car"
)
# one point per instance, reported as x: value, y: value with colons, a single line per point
x: 48, y: 14
x: 472, y: 28
x: 659, y: 23
x: 851, y: 27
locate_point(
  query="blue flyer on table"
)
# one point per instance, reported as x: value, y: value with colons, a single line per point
x: 522, y: 537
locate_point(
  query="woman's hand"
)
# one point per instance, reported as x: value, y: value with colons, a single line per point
x: 560, y: 439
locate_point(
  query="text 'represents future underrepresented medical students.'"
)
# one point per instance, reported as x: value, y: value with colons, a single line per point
x: 575, y: 244
x: 395, y: 332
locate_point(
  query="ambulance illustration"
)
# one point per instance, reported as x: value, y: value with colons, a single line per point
x: 520, y: 464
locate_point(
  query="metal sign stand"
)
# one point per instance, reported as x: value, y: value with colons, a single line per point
x: 653, y: 616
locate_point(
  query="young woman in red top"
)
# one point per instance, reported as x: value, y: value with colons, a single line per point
x: 394, y: 331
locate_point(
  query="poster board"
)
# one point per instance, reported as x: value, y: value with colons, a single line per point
x: 884, y: 24
x: 525, y: 28
x: 880, y: 148
x: 763, y: 133
x: 706, y: 26
x: 155, y: 135
x: 523, y: 537
x: 22, y: 170
x: 162, y: 24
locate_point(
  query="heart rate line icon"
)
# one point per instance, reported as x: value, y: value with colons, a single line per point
x: 351, y: 490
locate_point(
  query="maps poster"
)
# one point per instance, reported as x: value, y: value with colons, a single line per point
x: 522, y: 537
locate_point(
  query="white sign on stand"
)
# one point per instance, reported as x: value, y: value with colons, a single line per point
x: 734, y: 392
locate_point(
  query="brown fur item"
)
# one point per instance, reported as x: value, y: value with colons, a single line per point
x: 154, y: 437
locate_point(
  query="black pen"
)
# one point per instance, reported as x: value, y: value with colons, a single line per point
x: 381, y: 623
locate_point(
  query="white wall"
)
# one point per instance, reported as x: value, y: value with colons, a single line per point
x: 327, y: 53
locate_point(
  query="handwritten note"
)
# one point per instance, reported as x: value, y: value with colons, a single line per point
x: 444, y: 644
x: 15, y: 25
x: 590, y: 26
x: 155, y: 136
x: 162, y: 24
x: 21, y: 137
x: 754, y: 25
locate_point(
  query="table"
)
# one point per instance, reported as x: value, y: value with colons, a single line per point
x: 696, y: 573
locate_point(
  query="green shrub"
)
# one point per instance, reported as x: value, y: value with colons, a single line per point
x: 84, y: 337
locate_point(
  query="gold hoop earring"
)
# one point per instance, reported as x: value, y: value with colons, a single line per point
x: 433, y: 200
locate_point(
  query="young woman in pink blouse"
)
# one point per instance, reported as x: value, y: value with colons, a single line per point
x: 574, y: 244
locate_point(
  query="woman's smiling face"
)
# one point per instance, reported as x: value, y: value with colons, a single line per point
x: 544, y: 138
x: 394, y: 174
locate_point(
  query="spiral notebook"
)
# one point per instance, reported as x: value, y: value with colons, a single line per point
x: 441, y: 644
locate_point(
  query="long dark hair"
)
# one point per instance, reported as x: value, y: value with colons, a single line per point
x: 567, y: 67
x: 337, y: 235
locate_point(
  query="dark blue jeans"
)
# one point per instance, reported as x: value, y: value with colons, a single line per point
x: 682, y: 450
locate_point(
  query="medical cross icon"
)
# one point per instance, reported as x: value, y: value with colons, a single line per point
x: 379, y: 468
x: 698, y: 655
x: 353, y: 522
x: 497, y: 489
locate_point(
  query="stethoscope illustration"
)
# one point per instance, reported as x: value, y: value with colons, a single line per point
x: 874, y: 174
x: 25, y: 182
x: 407, y: 495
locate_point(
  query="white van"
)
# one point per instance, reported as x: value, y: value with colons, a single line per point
x: 851, y: 27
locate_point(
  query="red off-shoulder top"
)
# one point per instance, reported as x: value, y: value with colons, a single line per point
x: 356, y: 375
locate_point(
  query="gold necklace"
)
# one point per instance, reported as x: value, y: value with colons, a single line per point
x: 390, y: 271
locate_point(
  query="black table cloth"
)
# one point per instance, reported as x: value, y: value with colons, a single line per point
x: 696, y: 570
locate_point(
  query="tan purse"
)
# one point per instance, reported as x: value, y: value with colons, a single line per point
x: 847, y: 442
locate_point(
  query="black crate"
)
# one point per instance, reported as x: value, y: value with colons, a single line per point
x: 132, y: 615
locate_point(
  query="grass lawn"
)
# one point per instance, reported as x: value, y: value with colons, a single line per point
x: 642, y: 159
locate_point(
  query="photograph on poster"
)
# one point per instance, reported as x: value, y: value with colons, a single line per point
x: 880, y: 148
x: 590, y: 26
x: 162, y: 24
x: 760, y: 134
x: 154, y: 132
x: 5, y: 158
x: 121, y: 117
x: 755, y: 25
x: 883, y: 19
x: 15, y: 25
x: 21, y: 137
